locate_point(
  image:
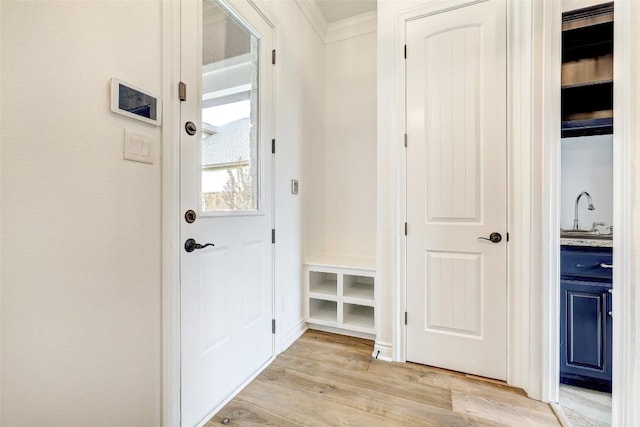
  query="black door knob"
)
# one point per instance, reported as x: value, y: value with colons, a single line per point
x: 493, y: 237
x: 191, y: 245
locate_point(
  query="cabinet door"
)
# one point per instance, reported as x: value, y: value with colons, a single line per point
x: 585, y: 331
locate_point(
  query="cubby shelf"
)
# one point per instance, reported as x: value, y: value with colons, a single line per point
x: 341, y: 294
x: 323, y: 311
x: 323, y: 284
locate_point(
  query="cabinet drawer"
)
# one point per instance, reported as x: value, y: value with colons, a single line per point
x: 591, y: 263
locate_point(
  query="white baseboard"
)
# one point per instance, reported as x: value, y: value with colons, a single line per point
x: 333, y: 330
x: 383, y: 351
x: 291, y: 336
x: 560, y: 415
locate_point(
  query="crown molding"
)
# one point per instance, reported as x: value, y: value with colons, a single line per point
x: 340, y: 30
x: 312, y: 11
x: 355, y: 26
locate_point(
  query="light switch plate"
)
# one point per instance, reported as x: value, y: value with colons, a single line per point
x: 138, y: 147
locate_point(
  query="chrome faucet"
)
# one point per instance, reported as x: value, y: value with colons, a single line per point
x: 576, y: 223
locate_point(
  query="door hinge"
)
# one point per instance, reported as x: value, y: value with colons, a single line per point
x: 273, y: 326
x: 273, y: 57
x: 405, y: 140
x: 507, y: 237
x: 273, y: 235
x: 273, y: 146
x: 405, y: 51
x: 405, y: 228
x: 405, y: 317
x: 182, y: 91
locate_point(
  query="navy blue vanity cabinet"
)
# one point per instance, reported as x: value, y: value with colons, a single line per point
x: 585, y: 301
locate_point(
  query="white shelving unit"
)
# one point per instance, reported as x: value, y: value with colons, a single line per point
x: 341, y: 294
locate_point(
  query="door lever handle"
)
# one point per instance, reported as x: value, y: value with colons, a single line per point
x: 191, y: 245
x: 604, y: 265
x: 493, y: 237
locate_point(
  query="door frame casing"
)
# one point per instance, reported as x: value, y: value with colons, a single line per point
x: 171, y: 241
x: 170, y: 214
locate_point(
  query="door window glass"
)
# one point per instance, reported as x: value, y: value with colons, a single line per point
x: 229, y: 112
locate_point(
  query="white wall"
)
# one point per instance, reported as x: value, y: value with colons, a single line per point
x: 587, y: 165
x: 80, y: 309
x: 299, y: 155
x: 350, y: 146
x: 80, y: 226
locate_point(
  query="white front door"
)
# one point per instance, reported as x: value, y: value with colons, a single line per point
x: 226, y: 200
x: 456, y: 189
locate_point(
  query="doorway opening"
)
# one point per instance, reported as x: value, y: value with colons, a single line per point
x: 586, y: 212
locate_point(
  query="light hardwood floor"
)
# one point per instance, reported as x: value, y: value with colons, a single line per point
x: 332, y: 380
x: 585, y: 408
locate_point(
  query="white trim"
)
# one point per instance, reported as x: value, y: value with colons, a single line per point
x: 291, y: 336
x: 560, y: 415
x: 170, y: 215
x: 348, y: 28
x: 626, y: 217
x: 519, y: 80
x: 383, y: 351
x: 316, y: 18
x: 534, y: 138
x: 546, y: 188
x: 339, y: 331
x: 331, y: 32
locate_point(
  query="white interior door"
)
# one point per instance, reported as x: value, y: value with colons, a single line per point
x: 226, y: 180
x: 456, y: 189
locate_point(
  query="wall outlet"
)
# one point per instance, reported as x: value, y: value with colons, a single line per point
x: 294, y: 186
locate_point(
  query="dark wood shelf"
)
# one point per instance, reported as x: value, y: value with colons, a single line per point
x: 588, y: 84
x: 587, y: 42
x: 584, y: 99
x: 587, y: 92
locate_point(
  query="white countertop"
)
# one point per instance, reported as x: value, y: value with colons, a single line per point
x: 581, y: 241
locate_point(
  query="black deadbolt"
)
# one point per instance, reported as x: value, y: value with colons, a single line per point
x: 191, y: 128
x: 190, y: 216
